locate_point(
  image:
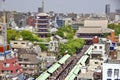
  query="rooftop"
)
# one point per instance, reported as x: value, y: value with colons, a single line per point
x: 42, y: 14
x: 93, y: 30
x: 113, y: 61
x: 87, y: 75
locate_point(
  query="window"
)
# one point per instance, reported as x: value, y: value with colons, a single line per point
x: 22, y: 43
x: 6, y: 64
x: 100, y: 47
x: 116, y: 73
x: 15, y: 42
x: 95, y: 47
x: 11, y: 71
x: 96, y: 62
x: 25, y: 65
x: 109, y: 72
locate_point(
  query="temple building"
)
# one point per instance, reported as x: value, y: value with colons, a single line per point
x: 42, y: 25
x: 92, y: 28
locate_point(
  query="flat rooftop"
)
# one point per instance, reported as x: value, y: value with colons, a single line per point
x: 87, y: 75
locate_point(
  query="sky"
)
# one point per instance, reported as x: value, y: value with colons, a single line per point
x: 66, y: 6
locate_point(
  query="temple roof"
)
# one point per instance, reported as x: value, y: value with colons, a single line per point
x: 94, y: 30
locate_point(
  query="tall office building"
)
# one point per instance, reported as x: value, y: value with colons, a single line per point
x: 40, y: 10
x: 107, y: 9
x: 117, y: 11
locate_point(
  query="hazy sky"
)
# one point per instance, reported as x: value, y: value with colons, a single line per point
x: 79, y: 6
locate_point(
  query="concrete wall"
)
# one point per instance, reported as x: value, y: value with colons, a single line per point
x: 98, y: 49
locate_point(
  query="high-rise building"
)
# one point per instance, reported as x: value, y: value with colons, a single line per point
x: 118, y: 11
x: 107, y: 9
x: 40, y: 10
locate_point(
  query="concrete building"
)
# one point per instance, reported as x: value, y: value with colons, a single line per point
x: 53, y: 46
x: 117, y: 11
x: 107, y: 9
x: 25, y: 45
x: 111, y: 70
x: 27, y: 54
x: 21, y: 44
x: 28, y: 61
x: 68, y: 21
x: 40, y: 10
x: 42, y: 25
x: 31, y: 21
x: 9, y: 65
x: 97, y: 56
x: 60, y: 22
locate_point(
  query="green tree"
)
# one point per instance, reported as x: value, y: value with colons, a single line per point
x: 66, y: 32
x: 12, y: 34
x: 115, y: 27
x: 27, y: 35
x: 71, y: 46
x: 43, y: 47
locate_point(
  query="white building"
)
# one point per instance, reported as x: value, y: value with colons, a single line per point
x: 111, y: 70
x: 97, y: 56
x: 53, y: 46
x: 68, y: 21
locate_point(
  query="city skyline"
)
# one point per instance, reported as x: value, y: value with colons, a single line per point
x: 65, y: 6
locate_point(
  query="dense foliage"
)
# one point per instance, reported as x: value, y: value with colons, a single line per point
x: 115, y: 27
x: 12, y: 35
x: 66, y: 32
x: 71, y: 46
x: 43, y: 47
